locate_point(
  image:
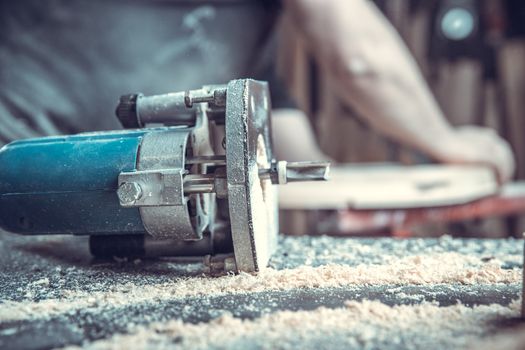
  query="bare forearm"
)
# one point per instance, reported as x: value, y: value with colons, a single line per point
x: 371, y: 69
x: 402, y: 110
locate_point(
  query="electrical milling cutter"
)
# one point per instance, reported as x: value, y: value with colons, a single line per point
x: 192, y: 176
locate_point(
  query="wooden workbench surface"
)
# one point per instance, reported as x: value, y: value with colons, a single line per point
x: 319, y: 292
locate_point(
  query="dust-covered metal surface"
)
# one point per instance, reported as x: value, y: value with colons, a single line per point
x: 54, y: 294
x: 252, y: 201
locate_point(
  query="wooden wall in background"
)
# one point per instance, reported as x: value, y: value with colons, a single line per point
x: 512, y: 72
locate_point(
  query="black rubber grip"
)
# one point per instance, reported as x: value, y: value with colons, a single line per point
x: 127, y: 111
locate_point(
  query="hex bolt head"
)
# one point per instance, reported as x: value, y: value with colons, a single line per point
x: 129, y: 192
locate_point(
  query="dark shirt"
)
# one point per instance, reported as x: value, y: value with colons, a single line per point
x: 64, y: 63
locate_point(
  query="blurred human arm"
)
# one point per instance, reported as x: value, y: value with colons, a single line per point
x: 371, y: 69
x: 302, y: 146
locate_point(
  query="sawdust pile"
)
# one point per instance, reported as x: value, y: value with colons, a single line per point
x: 366, y: 324
x: 446, y: 268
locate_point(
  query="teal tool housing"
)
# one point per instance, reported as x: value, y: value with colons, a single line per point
x: 68, y: 184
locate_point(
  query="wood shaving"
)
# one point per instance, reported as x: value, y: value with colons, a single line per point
x: 364, y: 325
x: 442, y: 268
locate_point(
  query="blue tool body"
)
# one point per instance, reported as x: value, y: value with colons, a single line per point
x: 67, y: 185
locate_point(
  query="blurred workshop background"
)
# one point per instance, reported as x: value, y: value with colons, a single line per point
x: 472, y: 54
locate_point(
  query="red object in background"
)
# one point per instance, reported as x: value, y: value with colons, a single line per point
x: 399, y: 222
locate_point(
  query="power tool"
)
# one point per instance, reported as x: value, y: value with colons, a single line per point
x: 191, y: 175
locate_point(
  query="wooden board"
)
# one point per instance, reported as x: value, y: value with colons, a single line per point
x: 379, y: 186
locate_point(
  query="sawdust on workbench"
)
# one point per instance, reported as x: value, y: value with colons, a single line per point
x: 439, y: 268
x: 366, y: 324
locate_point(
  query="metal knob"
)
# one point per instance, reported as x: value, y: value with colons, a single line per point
x: 126, y: 111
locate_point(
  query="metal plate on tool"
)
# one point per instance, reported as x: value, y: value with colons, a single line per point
x: 159, y: 151
x: 252, y: 202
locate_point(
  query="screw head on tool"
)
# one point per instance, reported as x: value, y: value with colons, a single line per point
x: 129, y: 192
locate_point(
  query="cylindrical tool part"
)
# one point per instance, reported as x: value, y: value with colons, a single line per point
x: 68, y: 184
x: 138, y: 246
x: 170, y: 109
x: 307, y: 171
x: 211, y: 160
x: 203, y: 183
x: 283, y: 172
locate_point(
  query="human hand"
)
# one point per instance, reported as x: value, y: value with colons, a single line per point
x: 478, y: 145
